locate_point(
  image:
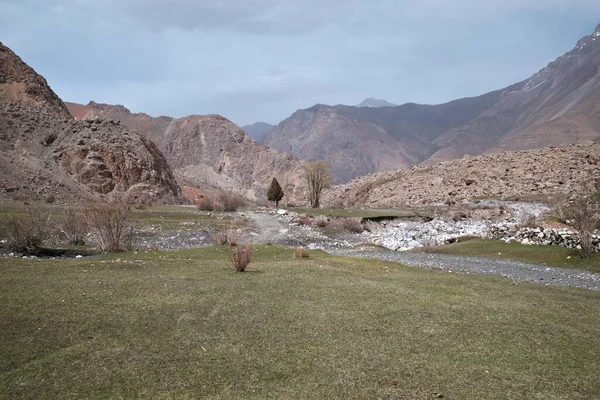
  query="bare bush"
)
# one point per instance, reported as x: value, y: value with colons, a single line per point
x: 205, y: 204
x: 74, y: 225
x: 321, y: 222
x: 241, y: 256
x: 352, y: 225
x: 225, y: 236
x: 128, y: 237
x: 582, y: 214
x: 303, y: 220
x: 301, y: 253
x: 229, y: 201
x: 25, y: 233
x: 109, y: 223
x: 220, y: 238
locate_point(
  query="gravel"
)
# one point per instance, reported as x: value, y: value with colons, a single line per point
x: 515, y: 270
x: 271, y: 228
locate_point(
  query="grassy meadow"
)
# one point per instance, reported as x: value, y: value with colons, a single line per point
x: 184, y: 325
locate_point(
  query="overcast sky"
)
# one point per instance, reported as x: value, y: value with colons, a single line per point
x: 260, y: 60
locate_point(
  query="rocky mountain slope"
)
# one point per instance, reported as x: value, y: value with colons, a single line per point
x: 257, y: 130
x: 558, y: 105
x: 210, y: 151
x: 563, y: 170
x: 44, y: 151
x: 357, y: 141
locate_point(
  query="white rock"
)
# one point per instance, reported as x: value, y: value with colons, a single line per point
x: 282, y: 212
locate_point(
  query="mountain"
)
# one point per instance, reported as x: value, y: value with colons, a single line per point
x: 361, y: 140
x: 209, y: 151
x: 44, y: 151
x: 558, y: 105
x: 371, y: 102
x: 257, y: 130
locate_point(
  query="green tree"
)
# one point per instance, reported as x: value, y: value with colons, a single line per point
x: 275, y: 192
x: 318, y: 177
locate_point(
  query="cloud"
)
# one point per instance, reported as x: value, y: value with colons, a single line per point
x: 262, y: 59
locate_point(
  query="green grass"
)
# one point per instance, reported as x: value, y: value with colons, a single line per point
x: 178, y: 217
x: 360, y: 213
x: 183, y: 325
x: 550, y: 255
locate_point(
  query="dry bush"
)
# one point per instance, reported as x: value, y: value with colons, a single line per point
x: 301, y: 253
x: 241, y: 256
x: 205, y: 204
x: 109, y: 223
x: 229, y: 201
x: 74, y: 225
x: 128, y: 237
x: 220, y: 238
x: 225, y: 236
x: 352, y: 225
x: 303, y: 220
x: 321, y: 222
x: 582, y: 214
x: 25, y: 233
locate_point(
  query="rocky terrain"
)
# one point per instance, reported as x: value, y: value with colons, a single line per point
x: 209, y: 151
x: 558, y: 105
x: 44, y: 151
x: 551, y: 171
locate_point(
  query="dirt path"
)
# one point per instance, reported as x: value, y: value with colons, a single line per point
x: 270, y: 228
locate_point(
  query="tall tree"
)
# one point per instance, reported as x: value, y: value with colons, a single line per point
x: 318, y: 177
x: 275, y: 192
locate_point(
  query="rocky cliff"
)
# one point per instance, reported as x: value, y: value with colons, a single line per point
x: 43, y: 150
x: 209, y: 151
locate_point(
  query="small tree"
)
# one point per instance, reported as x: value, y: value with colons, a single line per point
x: 275, y: 192
x: 583, y: 214
x: 318, y: 177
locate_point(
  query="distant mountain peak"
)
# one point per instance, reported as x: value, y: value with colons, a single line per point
x: 371, y: 102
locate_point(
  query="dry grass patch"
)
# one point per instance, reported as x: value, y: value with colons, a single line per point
x: 301, y: 253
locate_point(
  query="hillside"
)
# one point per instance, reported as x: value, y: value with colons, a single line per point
x: 549, y: 171
x: 558, y: 105
x: 44, y: 151
x: 209, y: 151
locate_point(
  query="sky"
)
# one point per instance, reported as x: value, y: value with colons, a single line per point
x: 261, y: 60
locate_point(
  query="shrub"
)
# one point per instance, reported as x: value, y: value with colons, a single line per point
x: 229, y: 201
x: 74, y: 225
x: 352, y: 225
x: 109, y: 223
x: 25, y: 233
x: 241, y: 256
x: 321, y: 222
x: 583, y: 214
x: 205, y: 204
x: 301, y: 253
x: 224, y: 237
